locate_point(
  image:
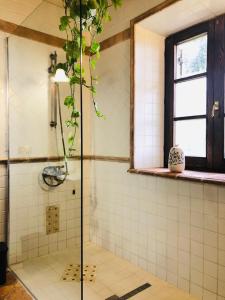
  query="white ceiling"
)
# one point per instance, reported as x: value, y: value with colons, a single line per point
x: 17, y: 11
x: 182, y: 15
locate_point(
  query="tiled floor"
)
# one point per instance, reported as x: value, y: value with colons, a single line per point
x: 13, y: 290
x: 114, y: 276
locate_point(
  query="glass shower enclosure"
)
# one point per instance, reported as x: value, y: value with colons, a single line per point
x: 45, y: 203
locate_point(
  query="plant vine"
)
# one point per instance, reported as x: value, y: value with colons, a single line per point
x: 94, y: 14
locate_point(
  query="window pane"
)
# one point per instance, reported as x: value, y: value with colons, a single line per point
x: 190, y: 135
x: 190, y: 98
x: 191, y: 57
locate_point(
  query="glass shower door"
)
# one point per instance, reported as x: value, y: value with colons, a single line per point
x: 45, y: 205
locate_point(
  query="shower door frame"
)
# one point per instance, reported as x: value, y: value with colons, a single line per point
x: 47, y: 39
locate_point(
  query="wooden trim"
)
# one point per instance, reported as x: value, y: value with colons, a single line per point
x: 31, y: 34
x: 115, y: 39
x: 210, y: 94
x: 175, y: 119
x: 132, y: 94
x: 108, y: 158
x: 218, y: 93
x: 52, y: 40
x: 60, y: 158
x: 195, y: 176
x: 168, y: 98
x: 188, y: 78
x: 112, y: 41
x: 194, y: 163
x: 40, y: 159
x: 154, y: 10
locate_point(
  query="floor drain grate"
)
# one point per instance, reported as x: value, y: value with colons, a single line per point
x: 132, y: 293
x: 72, y: 273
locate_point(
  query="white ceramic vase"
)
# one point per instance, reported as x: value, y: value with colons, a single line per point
x: 176, y: 161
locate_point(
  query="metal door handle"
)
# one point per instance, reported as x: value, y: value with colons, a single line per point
x: 216, y: 107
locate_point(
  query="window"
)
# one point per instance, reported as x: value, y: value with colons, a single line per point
x: 194, y: 95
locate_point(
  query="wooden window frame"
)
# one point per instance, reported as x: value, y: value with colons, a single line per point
x: 215, y: 30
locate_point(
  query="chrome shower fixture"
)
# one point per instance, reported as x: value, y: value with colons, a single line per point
x: 51, y: 71
x: 53, y: 176
x: 53, y: 58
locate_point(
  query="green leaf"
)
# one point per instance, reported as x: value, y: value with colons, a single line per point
x: 71, y: 139
x: 63, y: 66
x: 93, y: 63
x: 99, y: 114
x: 102, y: 3
x: 95, y: 47
x: 74, y: 80
x: 83, y: 44
x: 77, y: 70
x: 94, y: 13
x: 72, y: 50
x: 107, y: 16
x: 69, y: 101
x: 71, y: 123
x: 64, y: 22
x: 93, y: 89
x: 99, y: 29
x: 92, y: 4
x: 75, y: 114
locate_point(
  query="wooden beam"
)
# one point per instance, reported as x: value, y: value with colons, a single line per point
x: 115, y: 39
x: 60, y: 158
x: 31, y: 34
x: 154, y: 10
x: 52, y: 40
x: 108, y: 158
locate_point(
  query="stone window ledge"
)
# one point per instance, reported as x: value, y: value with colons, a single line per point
x: 197, y: 176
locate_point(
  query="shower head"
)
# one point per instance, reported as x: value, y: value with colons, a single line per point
x: 53, y: 58
x: 60, y: 76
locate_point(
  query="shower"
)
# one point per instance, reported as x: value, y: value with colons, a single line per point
x: 54, y: 176
x: 107, y: 221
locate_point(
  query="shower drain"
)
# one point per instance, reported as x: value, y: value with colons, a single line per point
x: 72, y: 273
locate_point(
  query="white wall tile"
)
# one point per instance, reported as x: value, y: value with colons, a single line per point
x: 148, y: 139
x: 28, y: 214
x: 184, y: 250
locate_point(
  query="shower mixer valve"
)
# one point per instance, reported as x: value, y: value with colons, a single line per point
x: 53, y: 176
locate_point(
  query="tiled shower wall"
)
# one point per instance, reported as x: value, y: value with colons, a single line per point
x: 32, y: 137
x: 28, y: 203
x: 173, y: 229
x: 149, y: 98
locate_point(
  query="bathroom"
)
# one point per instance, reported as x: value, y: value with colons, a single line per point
x: 107, y: 215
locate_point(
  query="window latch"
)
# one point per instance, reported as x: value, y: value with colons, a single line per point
x: 216, y: 107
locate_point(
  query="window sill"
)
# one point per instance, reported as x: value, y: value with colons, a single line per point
x: 205, y: 177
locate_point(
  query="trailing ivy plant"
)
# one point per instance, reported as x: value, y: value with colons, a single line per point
x: 94, y: 14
